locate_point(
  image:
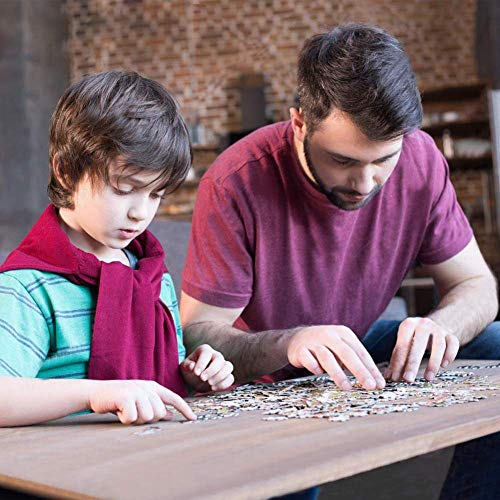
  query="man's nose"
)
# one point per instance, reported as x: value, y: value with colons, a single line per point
x: 364, y: 182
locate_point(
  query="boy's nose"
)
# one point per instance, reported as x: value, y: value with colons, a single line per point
x: 138, y: 212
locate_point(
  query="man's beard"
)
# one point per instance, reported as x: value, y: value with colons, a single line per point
x: 332, y: 194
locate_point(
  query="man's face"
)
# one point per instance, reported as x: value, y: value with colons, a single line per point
x: 349, y: 168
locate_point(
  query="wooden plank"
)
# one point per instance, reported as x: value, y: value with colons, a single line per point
x: 241, y: 457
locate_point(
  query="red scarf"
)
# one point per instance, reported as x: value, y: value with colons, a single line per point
x: 134, y: 335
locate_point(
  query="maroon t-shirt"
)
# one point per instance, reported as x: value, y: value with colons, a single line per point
x: 264, y: 238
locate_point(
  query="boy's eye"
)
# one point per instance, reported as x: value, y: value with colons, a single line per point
x: 157, y: 196
x: 121, y: 192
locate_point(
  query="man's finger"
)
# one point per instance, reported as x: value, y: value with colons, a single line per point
x: 329, y: 364
x: 354, y: 364
x: 452, y: 347
x: 438, y: 349
x: 401, y: 349
x: 417, y: 350
x: 366, y: 359
x: 309, y: 362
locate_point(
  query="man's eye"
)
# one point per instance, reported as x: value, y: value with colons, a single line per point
x: 341, y: 162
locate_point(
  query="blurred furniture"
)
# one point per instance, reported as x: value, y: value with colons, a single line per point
x: 457, y: 118
x: 179, y: 205
x: 174, y: 236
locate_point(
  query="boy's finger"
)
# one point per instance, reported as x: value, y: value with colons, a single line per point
x: 158, y: 407
x: 168, y: 415
x: 224, y: 372
x: 224, y: 384
x: 127, y: 413
x: 145, y: 412
x: 203, y: 360
x: 187, y: 365
x: 214, y: 367
x: 172, y: 399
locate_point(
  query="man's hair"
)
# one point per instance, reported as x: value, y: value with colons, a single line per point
x: 363, y: 71
x: 110, y: 115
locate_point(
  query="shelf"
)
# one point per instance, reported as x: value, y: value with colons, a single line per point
x: 451, y: 94
x: 480, y: 163
x: 206, y: 147
x: 460, y: 128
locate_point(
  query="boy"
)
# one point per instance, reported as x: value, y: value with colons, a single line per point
x: 88, y: 314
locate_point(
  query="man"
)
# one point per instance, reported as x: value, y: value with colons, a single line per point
x: 304, y: 230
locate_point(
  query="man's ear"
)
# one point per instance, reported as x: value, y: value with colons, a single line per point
x: 298, y: 123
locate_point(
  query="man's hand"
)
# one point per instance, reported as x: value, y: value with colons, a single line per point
x: 205, y: 369
x: 415, y: 336
x: 326, y: 348
x: 135, y: 401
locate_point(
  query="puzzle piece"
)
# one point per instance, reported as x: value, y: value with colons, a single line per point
x: 319, y: 397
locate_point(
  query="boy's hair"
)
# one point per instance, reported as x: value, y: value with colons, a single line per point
x: 364, y: 72
x: 110, y: 115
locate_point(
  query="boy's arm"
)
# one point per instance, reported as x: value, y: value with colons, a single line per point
x: 26, y: 401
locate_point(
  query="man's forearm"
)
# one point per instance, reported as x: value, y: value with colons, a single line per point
x: 468, y: 308
x: 252, y: 354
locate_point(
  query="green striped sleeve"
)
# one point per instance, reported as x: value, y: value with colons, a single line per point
x: 24, y: 335
x: 169, y: 298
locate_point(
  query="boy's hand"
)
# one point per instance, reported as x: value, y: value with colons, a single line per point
x: 136, y: 401
x: 206, y: 370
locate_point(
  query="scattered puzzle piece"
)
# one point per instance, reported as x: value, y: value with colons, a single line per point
x: 319, y: 397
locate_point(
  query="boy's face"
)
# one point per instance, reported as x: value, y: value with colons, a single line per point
x: 110, y: 216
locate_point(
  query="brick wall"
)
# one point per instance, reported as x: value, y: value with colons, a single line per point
x: 199, y: 48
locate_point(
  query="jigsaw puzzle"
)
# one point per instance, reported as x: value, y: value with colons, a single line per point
x: 319, y: 397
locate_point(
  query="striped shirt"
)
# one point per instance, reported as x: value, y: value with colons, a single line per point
x: 46, y: 324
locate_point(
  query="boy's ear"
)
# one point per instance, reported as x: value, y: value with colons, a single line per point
x: 298, y: 123
x: 56, y: 169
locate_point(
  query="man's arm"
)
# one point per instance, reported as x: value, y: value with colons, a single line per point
x: 468, y: 304
x: 316, y: 348
x: 468, y: 292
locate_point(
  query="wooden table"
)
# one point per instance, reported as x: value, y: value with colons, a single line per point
x: 241, y: 457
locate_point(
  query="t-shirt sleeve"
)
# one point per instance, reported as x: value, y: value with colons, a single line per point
x: 219, y: 263
x: 448, y: 231
x: 24, y: 334
x: 169, y: 298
